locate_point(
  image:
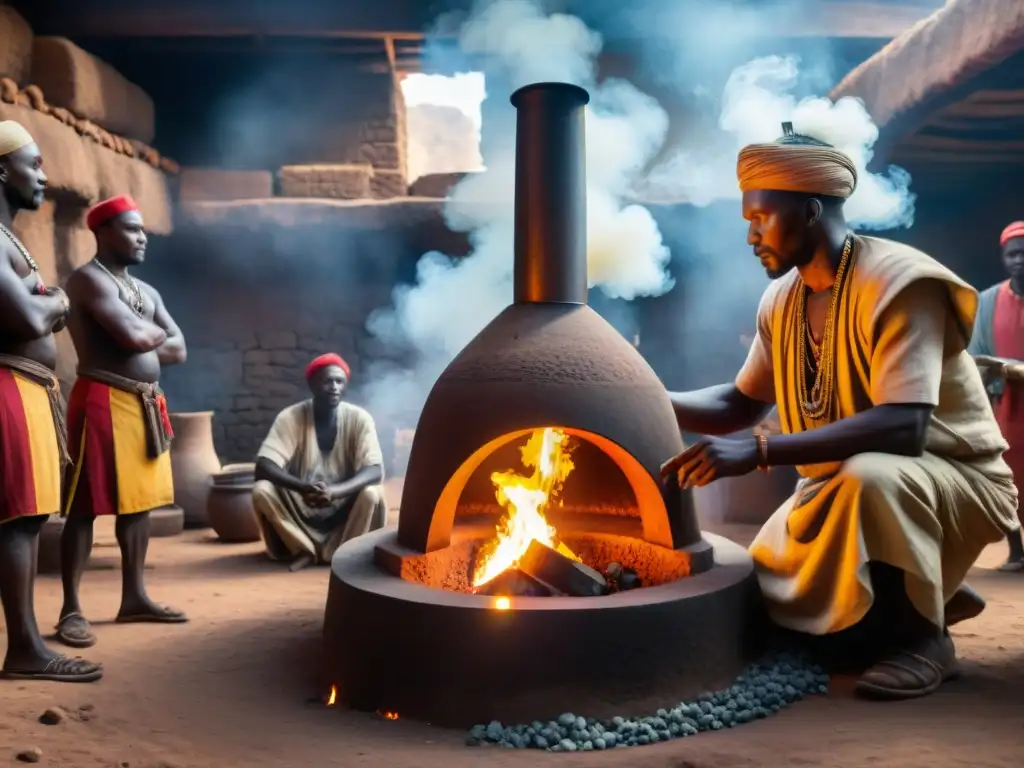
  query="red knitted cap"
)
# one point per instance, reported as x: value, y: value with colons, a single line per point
x: 103, y: 212
x: 1014, y: 230
x: 326, y: 361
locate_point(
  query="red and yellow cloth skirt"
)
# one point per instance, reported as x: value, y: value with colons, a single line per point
x: 112, y: 472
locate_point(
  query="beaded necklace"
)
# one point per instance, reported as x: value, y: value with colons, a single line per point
x: 130, y: 287
x: 816, y: 405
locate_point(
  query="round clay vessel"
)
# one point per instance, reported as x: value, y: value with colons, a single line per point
x: 230, y: 474
x: 166, y: 521
x: 48, y: 561
x: 194, y: 461
x: 229, y: 505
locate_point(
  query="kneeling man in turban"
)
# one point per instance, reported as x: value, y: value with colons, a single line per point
x: 862, y: 345
x: 319, y: 472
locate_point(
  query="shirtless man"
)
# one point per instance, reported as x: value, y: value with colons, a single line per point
x: 32, y: 443
x: 119, y: 431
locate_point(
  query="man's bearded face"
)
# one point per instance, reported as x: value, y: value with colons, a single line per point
x: 779, y: 230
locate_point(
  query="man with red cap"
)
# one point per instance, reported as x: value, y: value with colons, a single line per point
x: 998, y: 348
x: 119, y: 432
x: 319, y: 472
x: 33, y: 451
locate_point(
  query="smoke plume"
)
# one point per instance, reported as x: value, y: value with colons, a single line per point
x: 516, y: 44
x: 442, y: 139
x: 757, y: 99
x: 700, y: 53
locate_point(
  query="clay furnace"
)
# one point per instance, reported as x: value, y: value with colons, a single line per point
x: 538, y: 455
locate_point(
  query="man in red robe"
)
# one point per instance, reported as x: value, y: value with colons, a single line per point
x: 998, y: 344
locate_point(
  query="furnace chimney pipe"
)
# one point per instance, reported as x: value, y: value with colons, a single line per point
x: 551, y: 194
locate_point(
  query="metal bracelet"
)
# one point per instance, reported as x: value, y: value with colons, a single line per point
x: 762, y: 452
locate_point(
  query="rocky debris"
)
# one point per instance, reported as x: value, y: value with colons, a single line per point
x: 761, y: 690
x: 53, y: 716
x: 620, y: 579
x: 30, y: 755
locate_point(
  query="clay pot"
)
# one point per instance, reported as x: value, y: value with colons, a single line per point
x: 48, y: 561
x: 229, y: 507
x: 194, y: 461
x: 166, y: 521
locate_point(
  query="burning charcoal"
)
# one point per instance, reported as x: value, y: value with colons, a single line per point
x: 514, y: 582
x: 561, y: 574
x: 628, y: 579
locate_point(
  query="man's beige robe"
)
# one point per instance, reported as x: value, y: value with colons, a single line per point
x: 289, y: 528
x: 929, y: 516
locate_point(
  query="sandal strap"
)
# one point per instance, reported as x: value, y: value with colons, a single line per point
x: 918, y: 673
x: 56, y: 661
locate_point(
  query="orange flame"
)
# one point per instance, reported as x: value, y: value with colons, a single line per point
x: 524, y: 499
x: 332, y: 697
x: 387, y: 714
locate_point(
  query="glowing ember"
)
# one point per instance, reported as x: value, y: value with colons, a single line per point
x: 387, y: 714
x: 332, y: 697
x: 525, y: 499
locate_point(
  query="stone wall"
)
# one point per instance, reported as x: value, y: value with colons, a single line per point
x: 261, y: 110
x: 259, y: 288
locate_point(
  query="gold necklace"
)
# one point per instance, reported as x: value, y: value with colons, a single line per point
x: 129, y: 285
x: 21, y: 249
x: 816, y: 405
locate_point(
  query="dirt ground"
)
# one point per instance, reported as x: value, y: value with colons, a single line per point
x: 234, y: 688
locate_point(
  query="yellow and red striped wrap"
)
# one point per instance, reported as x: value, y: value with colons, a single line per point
x: 30, y: 471
x: 112, y: 471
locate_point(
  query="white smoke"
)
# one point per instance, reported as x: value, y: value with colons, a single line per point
x: 517, y: 44
x: 756, y: 101
x: 442, y: 139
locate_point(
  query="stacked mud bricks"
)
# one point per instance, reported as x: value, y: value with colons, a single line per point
x: 93, y: 127
x: 361, y: 157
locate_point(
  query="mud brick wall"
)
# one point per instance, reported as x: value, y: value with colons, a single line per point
x: 259, y: 288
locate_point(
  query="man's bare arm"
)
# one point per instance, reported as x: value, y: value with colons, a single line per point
x: 896, y: 429
x: 26, y: 316
x: 272, y: 473
x: 97, y: 295
x: 172, y: 351
x: 718, y: 410
x: 371, y: 475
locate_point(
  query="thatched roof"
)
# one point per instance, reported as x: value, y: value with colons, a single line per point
x: 939, y: 53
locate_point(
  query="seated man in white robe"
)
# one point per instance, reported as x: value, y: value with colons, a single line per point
x: 319, y: 472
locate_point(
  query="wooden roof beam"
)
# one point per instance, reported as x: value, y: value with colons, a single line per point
x: 394, y: 18
x: 949, y: 144
x: 909, y: 157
